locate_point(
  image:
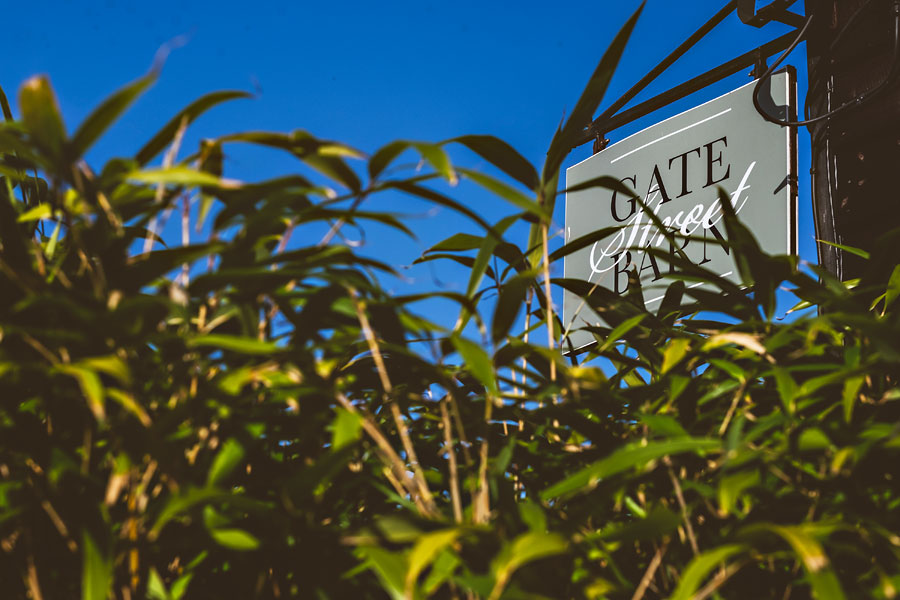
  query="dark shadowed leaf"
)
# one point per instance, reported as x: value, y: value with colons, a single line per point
x: 185, y: 116
x: 105, y: 115
x: 477, y: 360
x: 590, y: 99
x: 503, y: 156
x: 40, y: 112
x: 509, y: 304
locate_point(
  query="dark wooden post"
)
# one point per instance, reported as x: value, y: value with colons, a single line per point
x: 856, y: 154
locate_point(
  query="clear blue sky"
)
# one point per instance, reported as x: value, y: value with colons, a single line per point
x: 366, y: 73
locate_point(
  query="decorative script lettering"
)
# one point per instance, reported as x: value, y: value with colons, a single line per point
x: 694, y: 173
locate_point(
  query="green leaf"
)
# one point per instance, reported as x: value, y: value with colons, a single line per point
x: 582, y: 242
x: 509, y: 304
x: 383, y: 157
x: 664, y: 425
x: 97, y: 567
x: 104, y: 115
x: 524, y: 549
x: 441, y: 569
x: 4, y: 104
x: 156, y: 589
x: 824, y: 582
x: 699, y: 568
x: 438, y: 159
x: 235, y: 539
x: 345, y: 429
x: 590, y: 99
x: 626, y: 458
x: 127, y: 401
x: 50, y: 249
x: 187, y: 115
x: 852, y: 386
x: 812, y: 439
x: 893, y: 287
x: 40, y: 113
x: 91, y: 387
x: 675, y: 351
x: 852, y: 250
x: 229, y: 456
x: 620, y: 330
x: 390, y: 567
x: 39, y: 212
x: 457, y: 242
x: 181, y: 175
x: 532, y: 515
x: 501, y: 155
x: 787, y: 389
x: 508, y: 193
x: 233, y: 343
x: 426, y: 549
x: 648, y: 526
x: 110, y: 364
x: 482, y: 259
x: 732, y: 486
x: 477, y: 361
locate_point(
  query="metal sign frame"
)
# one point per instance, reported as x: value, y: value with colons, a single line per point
x: 744, y: 139
x: 611, y: 119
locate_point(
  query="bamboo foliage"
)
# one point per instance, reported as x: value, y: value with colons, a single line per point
x: 244, y: 411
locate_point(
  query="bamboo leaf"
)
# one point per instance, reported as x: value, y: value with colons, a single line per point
x: 424, y: 552
x: 506, y: 192
x: 509, y: 304
x: 526, y: 548
x: 40, y: 113
x: 631, y: 456
x: 187, y: 115
x: 478, y: 362
x: 675, y: 351
x: 501, y: 155
x: 227, y: 459
x: 235, y: 539
x: 345, y: 429
x: 105, y: 115
x: 97, y: 570
x: 590, y: 99
x: 700, y: 567
x: 182, y: 176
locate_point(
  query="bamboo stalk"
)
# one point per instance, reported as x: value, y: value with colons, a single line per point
x: 402, y: 429
x: 551, y: 343
x: 168, y: 159
x: 451, y: 462
x: 650, y: 572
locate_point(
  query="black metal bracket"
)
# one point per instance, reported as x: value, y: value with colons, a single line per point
x: 773, y: 11
x: 611, y: 118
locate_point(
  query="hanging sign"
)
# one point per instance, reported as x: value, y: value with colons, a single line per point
x: 676, y: 167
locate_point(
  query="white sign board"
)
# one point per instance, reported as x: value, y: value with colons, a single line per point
x: 676, y: 167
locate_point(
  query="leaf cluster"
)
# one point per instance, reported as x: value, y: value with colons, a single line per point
x: 236, y: 414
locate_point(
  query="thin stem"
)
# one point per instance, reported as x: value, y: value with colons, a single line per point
x: 549, y: 298
x: 650, y: 572
x: 402, y: 429
x: 684, y: 513
x: 185, y: 236
x: 451, y: 462
x: 717, y: 581
x: 387, y: 452
x: 168, y: 159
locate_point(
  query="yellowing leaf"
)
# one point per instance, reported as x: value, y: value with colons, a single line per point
x: 734, y: 337
x: 425, y: 550
x: 235, y: 539
x: 675, y: 351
